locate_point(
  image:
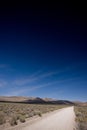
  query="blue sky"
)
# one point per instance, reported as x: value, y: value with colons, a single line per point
x: 43, y: 55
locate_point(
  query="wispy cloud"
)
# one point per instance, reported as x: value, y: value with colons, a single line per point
x: 24, y: 81
x: 16, y: 92
x: 29, y: 83
x: 27, y: 89
x: 34, y: 77
x: 3, y: 66
x: 48, y: 74
x: 7, y: 67
x: 2, y: 83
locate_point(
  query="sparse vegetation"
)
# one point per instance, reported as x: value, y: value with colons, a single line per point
x: 12, y: 112
x: 13, y: 121
x: 38, y: 113
x: 22, y: 119
x: 2, y: 118
x: 81, y: 117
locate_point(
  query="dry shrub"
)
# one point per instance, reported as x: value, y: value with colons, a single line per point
x: 13, y: 121
x: 2, y: 118
x: 22, y: 119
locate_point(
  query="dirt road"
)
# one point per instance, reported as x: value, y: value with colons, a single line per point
x: 63, y: 119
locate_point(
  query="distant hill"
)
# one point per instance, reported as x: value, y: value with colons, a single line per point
x: 37, y: 100
x: 79, y: 103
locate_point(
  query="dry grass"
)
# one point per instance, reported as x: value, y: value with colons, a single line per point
x: 2, y: 118
x: 15, y: 112
x: 13, y: 120
x: 81, y: 117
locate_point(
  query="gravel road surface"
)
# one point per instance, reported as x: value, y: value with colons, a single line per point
x: 63, y: 119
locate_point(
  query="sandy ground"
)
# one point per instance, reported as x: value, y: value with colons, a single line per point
x: 61, y: 120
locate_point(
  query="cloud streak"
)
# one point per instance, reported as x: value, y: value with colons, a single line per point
x: 23, y: 90
x: 34, y: 77
x: 2, y: 83
x: 22, y: 86
x: 2, y: 66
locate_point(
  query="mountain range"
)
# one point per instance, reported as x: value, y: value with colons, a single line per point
x: 31, y: 100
